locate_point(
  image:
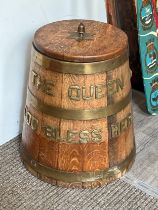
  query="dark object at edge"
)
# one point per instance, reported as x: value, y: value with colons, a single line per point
x: 123, y: 15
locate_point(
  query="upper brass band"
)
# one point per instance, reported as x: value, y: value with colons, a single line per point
x: 55, y: 65
x: 79, y: 176
x: 76, y: 114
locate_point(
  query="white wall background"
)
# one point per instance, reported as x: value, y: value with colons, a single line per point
x: 18, y: 21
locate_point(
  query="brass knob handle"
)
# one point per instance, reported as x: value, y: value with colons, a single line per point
x: 81, y: 30
x: 81, y: 34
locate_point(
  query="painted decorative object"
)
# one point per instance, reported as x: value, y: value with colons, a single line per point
x: 148, y: 41
x: 122, y: 13
x: 78, y: 127
x: 155, y: 10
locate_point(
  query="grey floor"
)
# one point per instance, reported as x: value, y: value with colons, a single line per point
x: 138, y: 189
x: 144, y: 173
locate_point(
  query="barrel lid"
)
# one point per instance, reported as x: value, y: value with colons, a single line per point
x: 80, y: 41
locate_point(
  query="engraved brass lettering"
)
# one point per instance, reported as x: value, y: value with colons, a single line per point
x: 115, y: 130
x: 110, y: 87
x: 28, y: 118
x: 72, y: 136
x: 96, y: 135
x: 121, y: 126
x: 51, y: 132
x: 48, y: 86
x: 36, y: 80
x: 45, y: 86
x: 74, y: 92
x: 84, y: 136
x: 34, y: 124
x: 47, y: 131
x: 114, y: 86
x: 31, y: 120
x: 119, y: 84
x: 98, y: 91
x: 129, y: 120
x: 85, y: 97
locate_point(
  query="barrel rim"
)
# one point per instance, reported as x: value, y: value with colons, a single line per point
x: 69, y: 67
x: 54, y: 40
x: 73, y: 177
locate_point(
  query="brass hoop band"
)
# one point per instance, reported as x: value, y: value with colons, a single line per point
x: 78, y: 176
x: 78, y: 68
x: 75, y: 114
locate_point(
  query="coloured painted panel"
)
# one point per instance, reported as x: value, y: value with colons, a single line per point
x: 148, y: 42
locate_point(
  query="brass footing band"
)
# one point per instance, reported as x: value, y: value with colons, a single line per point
x: 70, y: 177
x: 75, y: 114
x: 78, y: 68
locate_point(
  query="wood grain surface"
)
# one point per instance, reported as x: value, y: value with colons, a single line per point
x: 78, y: 145
x: 53, y: 40
x: 120, y: 146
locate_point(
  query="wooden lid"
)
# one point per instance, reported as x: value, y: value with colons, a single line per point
x: 102, y: 42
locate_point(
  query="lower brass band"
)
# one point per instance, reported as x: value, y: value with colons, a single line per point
x: 76, y: 114
x: 77, y: 136
x: 71, y: 177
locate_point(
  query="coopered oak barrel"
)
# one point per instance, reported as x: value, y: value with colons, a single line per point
x: 78, y: 127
